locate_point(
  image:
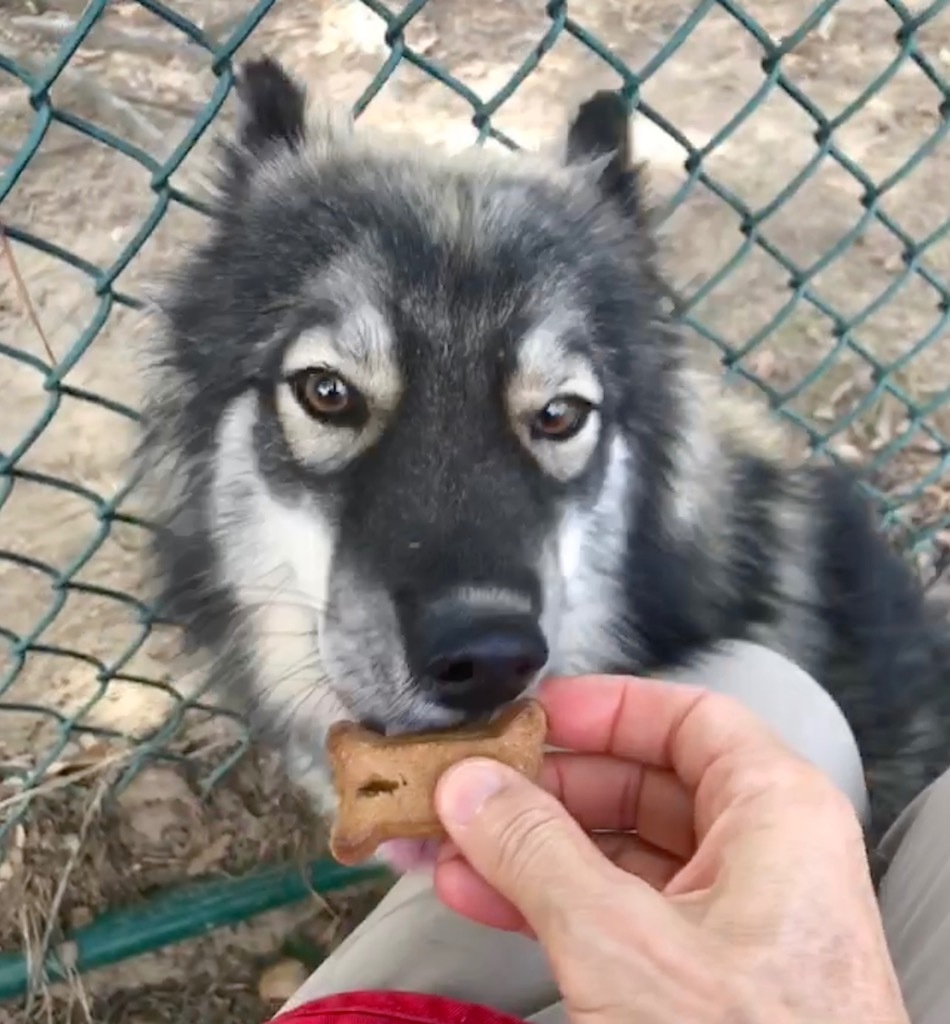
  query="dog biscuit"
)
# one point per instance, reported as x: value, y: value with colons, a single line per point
x: 386, y: 784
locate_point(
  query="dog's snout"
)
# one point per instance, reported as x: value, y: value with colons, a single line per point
x: 476, y: 661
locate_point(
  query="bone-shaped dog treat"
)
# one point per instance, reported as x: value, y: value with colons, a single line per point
x: 386, y: 784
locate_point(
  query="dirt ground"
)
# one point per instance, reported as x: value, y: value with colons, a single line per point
x: 139, y: 79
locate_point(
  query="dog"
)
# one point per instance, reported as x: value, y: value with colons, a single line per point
x: 419, y: 433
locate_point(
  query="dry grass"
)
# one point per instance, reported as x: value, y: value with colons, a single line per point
x: 87, y: 847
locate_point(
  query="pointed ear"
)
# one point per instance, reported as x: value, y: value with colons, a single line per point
x: 599, y: 139
x: 599, y: 135
x: 272, y: 107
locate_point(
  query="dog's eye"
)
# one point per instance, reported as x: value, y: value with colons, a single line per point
x: 561, y: 419
x: 328, y: 397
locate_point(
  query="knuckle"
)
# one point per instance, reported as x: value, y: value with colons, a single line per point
x: 805, y: 785
x: 521, y: 838
x: 753, y: 773
x: 796, y: 775
x: 529, y: 850
x: 540, y: 864
x: 831, y: 801
x: 786, y: 772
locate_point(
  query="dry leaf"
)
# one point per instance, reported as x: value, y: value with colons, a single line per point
x: 281, y: 980
x: 68, y: 953
x: 209, y: 856
x: 847, y: 452
x: 763, y: 364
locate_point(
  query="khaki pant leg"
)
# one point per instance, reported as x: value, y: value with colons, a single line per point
x: 915, y: 902
x: 411, y: 942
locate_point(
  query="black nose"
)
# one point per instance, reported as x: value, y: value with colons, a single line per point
x: 478, y: 662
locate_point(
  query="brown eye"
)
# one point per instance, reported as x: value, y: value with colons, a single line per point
x: 561, y: 419
x: 328, y: 397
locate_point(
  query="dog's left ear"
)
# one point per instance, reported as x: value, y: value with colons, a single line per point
x: 599, y: 136
x: 599, y: 141
x: 272, y: 107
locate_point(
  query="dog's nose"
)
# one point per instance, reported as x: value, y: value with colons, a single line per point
x: 476, y: 663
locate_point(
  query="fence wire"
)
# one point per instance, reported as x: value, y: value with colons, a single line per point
x: 906, y: 502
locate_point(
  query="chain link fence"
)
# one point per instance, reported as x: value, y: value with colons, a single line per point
x: 842, y: 327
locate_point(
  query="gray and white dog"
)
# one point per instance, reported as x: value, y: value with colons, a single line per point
x: 421, y: 433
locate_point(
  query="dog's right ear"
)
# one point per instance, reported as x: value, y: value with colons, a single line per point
x: 271, y: 119
x: 599, y: 136
x: 272, y: 107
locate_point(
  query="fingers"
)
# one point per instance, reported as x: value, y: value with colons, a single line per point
x: 526, y: 846
x: 722, y: 753
x: 665, y: 725
x: 462, y: 889
x: 603, y: 793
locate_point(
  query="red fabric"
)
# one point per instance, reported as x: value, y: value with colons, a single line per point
x: 391, y: 1008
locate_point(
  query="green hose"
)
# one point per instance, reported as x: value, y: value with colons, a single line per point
x: 184, y: 913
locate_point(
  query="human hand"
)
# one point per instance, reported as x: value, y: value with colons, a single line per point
x: 744, y: 897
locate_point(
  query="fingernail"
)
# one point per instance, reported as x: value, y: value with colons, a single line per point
x: 465, y: 788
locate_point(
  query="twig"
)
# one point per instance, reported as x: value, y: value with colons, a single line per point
x: 141, y: 125
x: 10, y: 154
x: 181, y: 108
x: 28, y: 939
x: 107, y: 38
x: 129, y: 40
x: 86, y: 85
x: 64, y: 780
x: 24, y: 294
x: 71, y: 778
x: 77, y: 991
x: 53, y: 911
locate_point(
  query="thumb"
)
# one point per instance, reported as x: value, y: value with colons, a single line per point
x: 523, y: 843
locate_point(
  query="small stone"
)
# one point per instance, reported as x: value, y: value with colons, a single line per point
x: 80, y: 917
x: 847, y: 452
x: 281, y: 980
x: 156, y: 802
x: 68, y: 953
x: 763, y: 364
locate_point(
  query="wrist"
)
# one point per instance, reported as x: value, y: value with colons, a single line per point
x: 755, y: 1004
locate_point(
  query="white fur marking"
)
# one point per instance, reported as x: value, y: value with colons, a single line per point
x: 277, y: 558
x: 360, y: 349
x: 546, y: 370
x: 591, y: 548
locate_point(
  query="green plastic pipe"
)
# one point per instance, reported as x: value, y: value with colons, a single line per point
x: 184, y: 913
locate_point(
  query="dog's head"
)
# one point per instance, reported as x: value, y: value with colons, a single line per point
x: 408, y: 397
